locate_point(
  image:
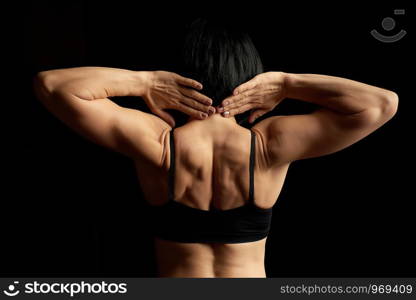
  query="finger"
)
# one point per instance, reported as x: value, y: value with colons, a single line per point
x: 189, y: 82
x: 191, y: 111
x: 236, y: 111
x: 235, y: 99
x: 236, y: 104
x: 194, y: 104
x: 245, y: 86
x: 197, y: 96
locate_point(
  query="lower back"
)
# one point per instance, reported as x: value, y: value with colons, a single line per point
x: 210, y: 260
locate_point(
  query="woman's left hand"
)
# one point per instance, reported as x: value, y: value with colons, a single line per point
x: 168, y: 90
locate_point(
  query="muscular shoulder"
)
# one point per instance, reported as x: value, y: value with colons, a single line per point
x: 142, y: 136
x: 262, y: 157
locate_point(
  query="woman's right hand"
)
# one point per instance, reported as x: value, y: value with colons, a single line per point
x: 261, y: 94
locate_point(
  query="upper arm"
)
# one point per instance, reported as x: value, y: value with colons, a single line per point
x: 295, y: 137
x: 128, y: 131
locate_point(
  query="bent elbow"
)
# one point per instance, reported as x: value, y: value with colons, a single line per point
x: 389, y: 105
x: 382, y: 113
x: 44, y: 81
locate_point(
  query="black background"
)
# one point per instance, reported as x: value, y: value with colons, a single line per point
x: 73, y: 208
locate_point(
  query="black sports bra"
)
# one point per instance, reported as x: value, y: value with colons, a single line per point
x: 181, y: 223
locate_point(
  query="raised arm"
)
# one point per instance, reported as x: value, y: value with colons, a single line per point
x: 79, y: 98
x: 69, y: 93
x: 349, y: 111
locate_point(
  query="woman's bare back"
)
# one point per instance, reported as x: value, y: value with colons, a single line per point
x: 212, y: 168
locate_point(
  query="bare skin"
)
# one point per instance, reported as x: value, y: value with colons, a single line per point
x: 205, y: 150
x: 212, y: 151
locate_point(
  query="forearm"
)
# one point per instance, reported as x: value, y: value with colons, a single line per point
x: 90, y: 83
x: 338, y: 94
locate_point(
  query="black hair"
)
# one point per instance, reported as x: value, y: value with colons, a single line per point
x: 221, y: 55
